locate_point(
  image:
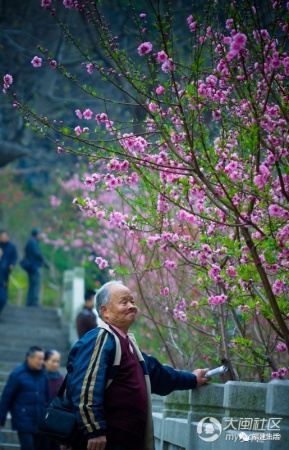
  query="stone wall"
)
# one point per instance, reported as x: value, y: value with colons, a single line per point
x: 231, y: 416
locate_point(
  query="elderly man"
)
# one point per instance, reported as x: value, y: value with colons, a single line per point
x: 110, y: 380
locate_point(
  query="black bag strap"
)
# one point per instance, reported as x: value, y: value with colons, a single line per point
x: 62, y: 388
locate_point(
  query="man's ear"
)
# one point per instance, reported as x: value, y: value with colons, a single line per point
x: 104, y: 311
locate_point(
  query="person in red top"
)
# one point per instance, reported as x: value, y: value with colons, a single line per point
x: 86, y: 319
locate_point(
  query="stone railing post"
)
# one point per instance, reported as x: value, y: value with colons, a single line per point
x: 73, y: 298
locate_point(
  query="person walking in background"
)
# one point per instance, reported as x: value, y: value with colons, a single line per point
x: 86, y: 319
x: 109, y: 380
x: 52, y: 364
x: 25, y: 396
x: 9, y: 257
x: 32, y: 263
x: 55, y: 379
x: 3, y: 287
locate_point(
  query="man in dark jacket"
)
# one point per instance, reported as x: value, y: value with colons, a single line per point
x: 86, y: 319
x: 110, y: 380
x: 25, y: 396
x: 9, y: 257
x: 34, y: 260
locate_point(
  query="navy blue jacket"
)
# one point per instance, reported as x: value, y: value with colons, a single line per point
x: 9, y: 257
x: 92, y: 364
x: 33, y: 255
x: 25, y: 395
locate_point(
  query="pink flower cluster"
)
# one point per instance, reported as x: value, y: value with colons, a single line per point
x: 278, y: 287
x: 277, y: 211
x: 102, y: 263
x: 54, y: 201
x: 217, y: 300
x: 192, y: 24
x: 165, y: 291
x: 281, y: 347
x: 45, y: 3
x: 87, y: 114
x: 170, y: 264
x: 282, y: 372
x: 180, y: 311
x: 7, y: 80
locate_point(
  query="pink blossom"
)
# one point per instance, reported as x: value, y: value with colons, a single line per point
x: 194, y: 303
x: 217, y: 300
x: 190, y: 19
x: 168, y: 65
x: 160, y: 90
x: 59, y: 149
x: 54, y: 201
x: 100, y: 118
x: 53, y: 64
x: 8, y: 79
x: 78, y: 131
x: 144, y: 48
x: 229, y: 23
x: 85, y: 130
x: 78, y: 113
x: 142, y: 15
x: 36, y: 61
x: 170, y: 264
x: 68, y: 3
x: 275, y: 374
x: 87, y: 114
x: 231, y: 272
x: 165, y: 291
x: 282, y: 371
x: 275, y: 211
x: 238, y: 42
x: 162, y: 57
x: 214, y: 272
x: 278, y: 287
x: 89, y: 68
x: 45, y: 3
x: 217, y: 114
x: 153, y: 107
x: 102, y: 263
x: 281, y: 347
x: 193, y: 26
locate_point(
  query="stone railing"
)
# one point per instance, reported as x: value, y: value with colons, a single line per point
x: 73, y: 299
x: 231, y: 416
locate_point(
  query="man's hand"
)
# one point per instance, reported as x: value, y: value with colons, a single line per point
x: 200, y: 374
x: 98, y: 443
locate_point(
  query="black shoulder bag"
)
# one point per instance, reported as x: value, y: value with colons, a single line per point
x: 58, y: 421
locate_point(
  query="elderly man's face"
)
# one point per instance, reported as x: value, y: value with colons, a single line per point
x: 36, y: 361
x: 121, y: 310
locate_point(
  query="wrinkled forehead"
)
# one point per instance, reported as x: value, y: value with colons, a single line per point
x: 118, y: 291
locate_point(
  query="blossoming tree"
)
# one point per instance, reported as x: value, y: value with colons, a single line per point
x: 203, y: 169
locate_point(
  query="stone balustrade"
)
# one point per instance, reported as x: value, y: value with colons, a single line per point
x: 230, y: 416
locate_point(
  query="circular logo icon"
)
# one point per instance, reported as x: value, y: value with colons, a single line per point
x: 209, y: 429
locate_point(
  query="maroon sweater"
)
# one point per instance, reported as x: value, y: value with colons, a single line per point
x: 125, y: 401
